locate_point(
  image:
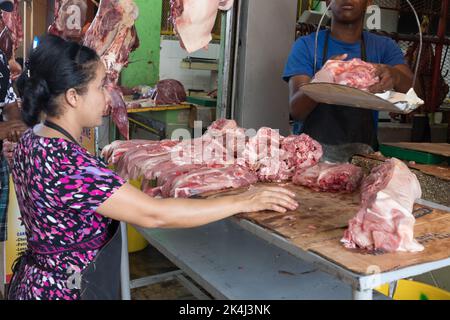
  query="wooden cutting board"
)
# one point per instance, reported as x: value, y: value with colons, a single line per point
x: 442, y: 149
x: 321, y: 219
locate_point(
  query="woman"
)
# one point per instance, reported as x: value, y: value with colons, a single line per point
x: 70, y: 201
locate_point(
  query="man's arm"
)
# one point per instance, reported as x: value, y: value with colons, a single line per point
x: 300, y: 104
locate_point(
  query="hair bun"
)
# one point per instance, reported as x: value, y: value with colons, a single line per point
x: 35, y: 99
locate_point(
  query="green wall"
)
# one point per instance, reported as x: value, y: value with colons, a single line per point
x: 145, y: 68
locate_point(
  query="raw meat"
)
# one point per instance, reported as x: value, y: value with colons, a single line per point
x: 211, y: 179
x: 330, y: 177
x: 354, y: 73
x: 193, y: 20
x: 384, y: 220
x: 268, y: 156
x: 113, y: 35
x: 263, y: 155
x: 169, y: 92
x: 114, y: 151
x: 11, y: 37
x: 302, y: 151
x: 69, y: 19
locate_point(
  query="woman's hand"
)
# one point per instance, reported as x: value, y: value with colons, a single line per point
x: 267, y: 198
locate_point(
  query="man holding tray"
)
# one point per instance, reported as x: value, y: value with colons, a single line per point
x: 332, y: 124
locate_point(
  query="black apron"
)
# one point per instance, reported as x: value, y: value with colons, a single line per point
x: 334, y: 124
x: 100, y: 280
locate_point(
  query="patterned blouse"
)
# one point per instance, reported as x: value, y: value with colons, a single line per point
x: 59, y: 186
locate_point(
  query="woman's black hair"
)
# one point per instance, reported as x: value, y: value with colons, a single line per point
x: 54, y: 67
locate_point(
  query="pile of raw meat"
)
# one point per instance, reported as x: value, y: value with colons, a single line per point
x: 193, y: 20
x: 385, y: 221
x: 224, y: 157
x: 354, y: 73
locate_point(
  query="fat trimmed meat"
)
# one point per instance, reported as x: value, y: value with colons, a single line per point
x: 385, y: 220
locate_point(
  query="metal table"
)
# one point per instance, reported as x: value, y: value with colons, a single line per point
x: 229, y: 262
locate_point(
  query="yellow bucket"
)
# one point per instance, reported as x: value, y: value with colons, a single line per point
x: 136, y: 242
x: 413, y: 290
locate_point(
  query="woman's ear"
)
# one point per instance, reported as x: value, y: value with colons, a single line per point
x: 72, y: 98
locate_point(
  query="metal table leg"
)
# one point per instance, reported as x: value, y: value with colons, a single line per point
x: 124, y: 265
x: 363, y: 294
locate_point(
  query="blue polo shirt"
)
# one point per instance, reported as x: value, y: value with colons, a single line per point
x: 379, y: 49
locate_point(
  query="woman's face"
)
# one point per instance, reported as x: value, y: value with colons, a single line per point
x: 95, y: 99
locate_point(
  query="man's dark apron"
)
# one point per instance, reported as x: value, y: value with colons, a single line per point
x: 333, y: 124
x: 100, y: 280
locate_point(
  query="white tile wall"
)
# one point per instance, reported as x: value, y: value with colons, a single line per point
x: 171, y: 56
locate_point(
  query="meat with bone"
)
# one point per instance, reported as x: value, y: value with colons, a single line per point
x: 69, y: 19
x: 113, y: 35
x: 113, y: 152
x: 385, y: 220
x: 194, y: 20
x: 211, y: 179
x: 166, y: 173
x: 141, y: 160
x: 330, y: 177
x: 11, y: 37
x: 169, y: 92
x: 354, y: 73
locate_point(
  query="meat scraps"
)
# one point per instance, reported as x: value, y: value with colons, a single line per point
x: 330, y: 177
x: 113, y: 36
x: 385, y: 220
x: 193, y: 20
x: 354, y: 73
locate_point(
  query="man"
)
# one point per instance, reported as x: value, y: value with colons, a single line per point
x: 11, y: 126
x: 331, y: 124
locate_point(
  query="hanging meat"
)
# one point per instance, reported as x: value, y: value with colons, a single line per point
x: 113, y: 35
x: 11, y: 37
x: 193, y: 20
x: 69, y: 19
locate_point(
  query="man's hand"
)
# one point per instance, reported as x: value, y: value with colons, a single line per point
x: 15, y: 69
x: 12, y: 130
x: 388, y: 79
